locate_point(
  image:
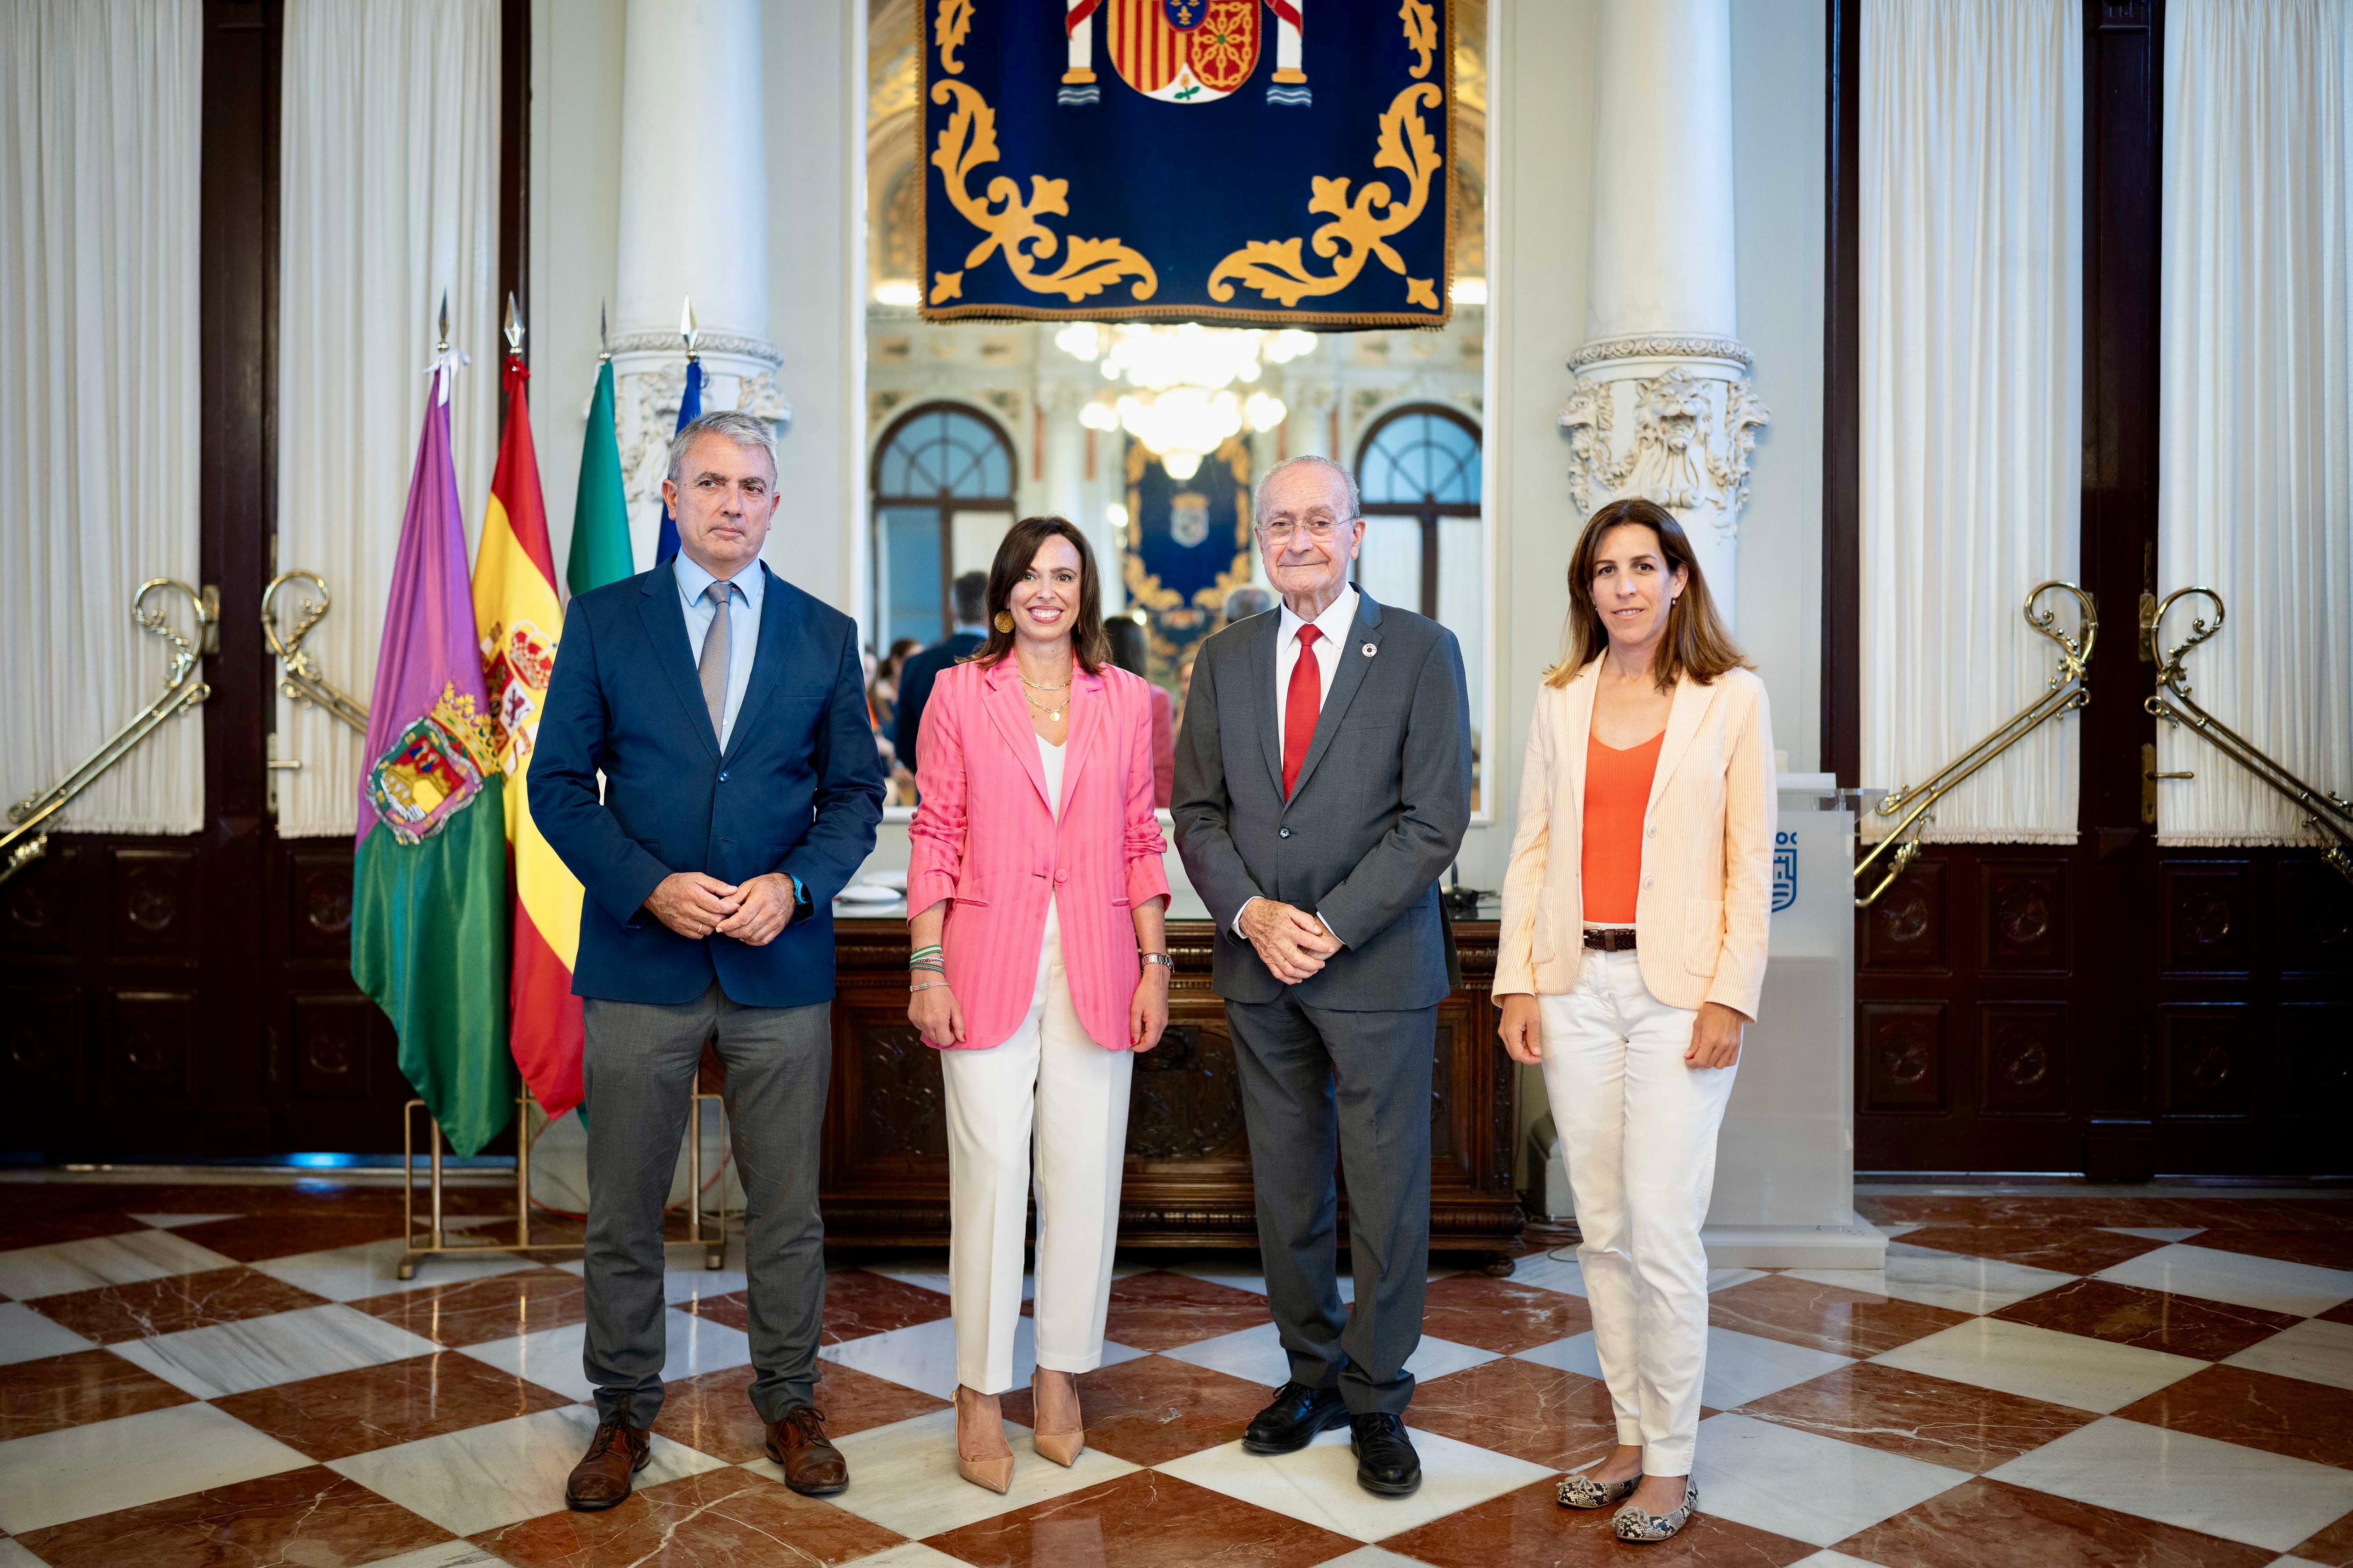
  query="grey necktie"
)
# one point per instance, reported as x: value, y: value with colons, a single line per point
x: 713, y: 666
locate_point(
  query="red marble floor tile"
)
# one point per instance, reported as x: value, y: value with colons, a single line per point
x: 1152, y: 1409
x: 311, y: 1516
x: 1539, y: 1414
x: 735, y: 1309
x: 1919, y: 1416
x: 1985, y: 1523
x: 1826, y: 1317
x: 2340, y: 1313
x: 1497, y: 1315
x: 2321, y: 1248
x: 2153, y: 1320
x: 477, y: 1311
x: 2067, y: 1250
x: 347, y: 1413
x: 2256, y: 1410
x: 1544, y: 1236
x: 2016, y: 1211
x: 713, y: 1413
x: 1529, y: 1529
x: 251, y: 1237
x: 1159, y: 1311
x: 39, y: 1229
x: 2332, y: 1547
x: 859, y: 1302
x: 1143, y: 1519
x: 113, y: 1313
x: 720, y: 1519
x: 75, y: 1390
x: 2269, y: 1214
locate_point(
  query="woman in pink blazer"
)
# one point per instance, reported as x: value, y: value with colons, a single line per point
x: 1040, y: 963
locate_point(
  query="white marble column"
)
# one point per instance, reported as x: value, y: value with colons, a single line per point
x: 1660, y: 407
x: 694, y: 224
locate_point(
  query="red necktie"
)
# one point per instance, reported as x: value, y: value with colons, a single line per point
x: 1300, y: 706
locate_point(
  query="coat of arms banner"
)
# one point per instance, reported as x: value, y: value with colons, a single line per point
x: 1245, y: 163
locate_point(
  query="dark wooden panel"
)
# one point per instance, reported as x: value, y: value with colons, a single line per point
x: 2022, y: 1058
x: 40, y: 1047
x: 38, y: 904
x: 1187, y: 1179
x: 150, y: 1044
x: 2026, y: 923
x: 152, y: 909
x: 2317, y: 1046
x: 335, y: 1048
x: 1906, y: 928
x: 320, y: 881
x: 1902, y: 1046
x: 2315, y: 918
x: 2210, y: 1057
x: 2207, y: 908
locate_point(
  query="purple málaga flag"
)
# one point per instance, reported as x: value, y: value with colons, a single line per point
x: 429, y: 931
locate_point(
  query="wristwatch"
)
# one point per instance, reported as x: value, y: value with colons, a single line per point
x: 1161, y: 959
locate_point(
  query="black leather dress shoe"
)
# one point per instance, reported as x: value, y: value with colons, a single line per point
x: 1291, y: 1423
x: 1385, y: 1462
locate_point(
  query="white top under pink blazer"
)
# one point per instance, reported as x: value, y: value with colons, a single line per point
x: 1708, y: 847
x: 986, y: 838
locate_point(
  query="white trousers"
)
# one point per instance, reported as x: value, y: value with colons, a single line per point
x: 1638, y: 1133
x: 1049, y: 1080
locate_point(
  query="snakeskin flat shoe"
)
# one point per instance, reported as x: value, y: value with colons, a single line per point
x: 1584, y: 1491
x: 1633, y: 1524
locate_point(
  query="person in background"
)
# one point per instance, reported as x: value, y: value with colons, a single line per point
x: 970, y: 592
x: 1633, y: 952
x: 1249, y: 599
x: 1037, y: 966
x: 1129, y: 651
x: 883, y: 691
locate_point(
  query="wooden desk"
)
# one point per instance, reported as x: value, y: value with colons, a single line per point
x: 885, y: 1172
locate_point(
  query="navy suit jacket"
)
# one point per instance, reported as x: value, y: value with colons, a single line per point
x: 916, y: 678
x: 798, y: 790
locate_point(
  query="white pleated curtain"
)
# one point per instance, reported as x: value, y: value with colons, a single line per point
x: 390, y: 163
x: 1971, y: 283
x: 2255, y: 459
x: 99, y: 115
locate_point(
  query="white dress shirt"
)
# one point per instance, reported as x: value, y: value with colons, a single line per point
x: 745, y: 592
x: 1333, y: 625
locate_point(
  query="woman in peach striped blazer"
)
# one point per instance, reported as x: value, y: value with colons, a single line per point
x: 1035, y: 895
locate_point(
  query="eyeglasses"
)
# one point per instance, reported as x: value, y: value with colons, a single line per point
x: 1318, y: 528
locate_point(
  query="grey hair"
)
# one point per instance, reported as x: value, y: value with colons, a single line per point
x: 1347, y: 482
x: 747, y: 430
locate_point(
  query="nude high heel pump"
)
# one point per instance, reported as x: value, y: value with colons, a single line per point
x: 997, y: 1475
x: 1064, y: 1447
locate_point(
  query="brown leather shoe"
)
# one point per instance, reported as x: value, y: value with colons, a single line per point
x: 813, y: 1466
x: 601, y: 1479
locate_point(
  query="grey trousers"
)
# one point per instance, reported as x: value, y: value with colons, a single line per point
x: 637, y: 1070
x: 1318, y: 1083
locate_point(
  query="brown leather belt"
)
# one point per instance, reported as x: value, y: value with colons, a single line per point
x: 1610, y: 939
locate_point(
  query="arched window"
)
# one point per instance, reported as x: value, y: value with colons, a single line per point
x: 1419, y: 469
x: 943, y: 487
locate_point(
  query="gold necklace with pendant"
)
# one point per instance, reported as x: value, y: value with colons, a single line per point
x: 1053, y: 714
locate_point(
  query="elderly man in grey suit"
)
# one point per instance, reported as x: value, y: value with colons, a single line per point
x: 1322, y: 784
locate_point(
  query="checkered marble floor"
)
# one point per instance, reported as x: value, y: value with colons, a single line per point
x: 218, y: 1374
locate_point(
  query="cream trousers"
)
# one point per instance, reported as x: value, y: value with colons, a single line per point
x: 1638, y: 1133
x: 1051, y: 1080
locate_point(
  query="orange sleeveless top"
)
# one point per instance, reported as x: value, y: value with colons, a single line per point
x: 1617, y: 793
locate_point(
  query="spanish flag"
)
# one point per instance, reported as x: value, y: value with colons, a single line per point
x: 519, y: 618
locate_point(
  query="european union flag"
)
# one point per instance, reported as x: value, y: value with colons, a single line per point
x: 689, y: 407
x: 1218, y: 160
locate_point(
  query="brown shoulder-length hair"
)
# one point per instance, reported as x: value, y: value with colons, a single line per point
x: 1696, y: 643
x: 1022, y: 543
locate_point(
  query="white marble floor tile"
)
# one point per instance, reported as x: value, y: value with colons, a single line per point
x: 1371, y: 1557
x: 14, y: 1555
x: 222, y: 1359
x: 2042, y: 1363
x: 904, y: 1476
x: 26, y: 1335
x: 1217, y: 1274
x: 2222, y: 1489
x: 78, y: 1471
x: 551, y: 1358
x: 486, y: 1477
x: 2264, y: 1283
x: 31, y: 1272
x: 348, y: 1273
x: 2312, y: 1350
x: 2154, y: 1232
x: 175, y: 1221
x: 1318, y: 1483
x: 906, y: 1554
x: 930, y: 1275
x: 1946, y: 1280
x: 1803, y: 1485
x: 1434, y: 1357
x: 448, y: 1554
x: 681, y: 1286
x: 1826, y: 1558
x: 1547, y: 1272
x: 1740, y: 1367
x: 1725, y: 1279
x: 1256, y: 1356
x: 923, y: 1355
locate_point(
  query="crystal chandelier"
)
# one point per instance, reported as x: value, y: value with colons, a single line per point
x: 1184, y: 406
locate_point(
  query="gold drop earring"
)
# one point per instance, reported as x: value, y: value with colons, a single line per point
x: 1003, y: 622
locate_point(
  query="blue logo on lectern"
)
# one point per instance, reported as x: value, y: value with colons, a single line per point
x: 1785, y: 871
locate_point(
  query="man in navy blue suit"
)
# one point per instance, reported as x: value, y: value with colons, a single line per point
x: 726, y: 711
